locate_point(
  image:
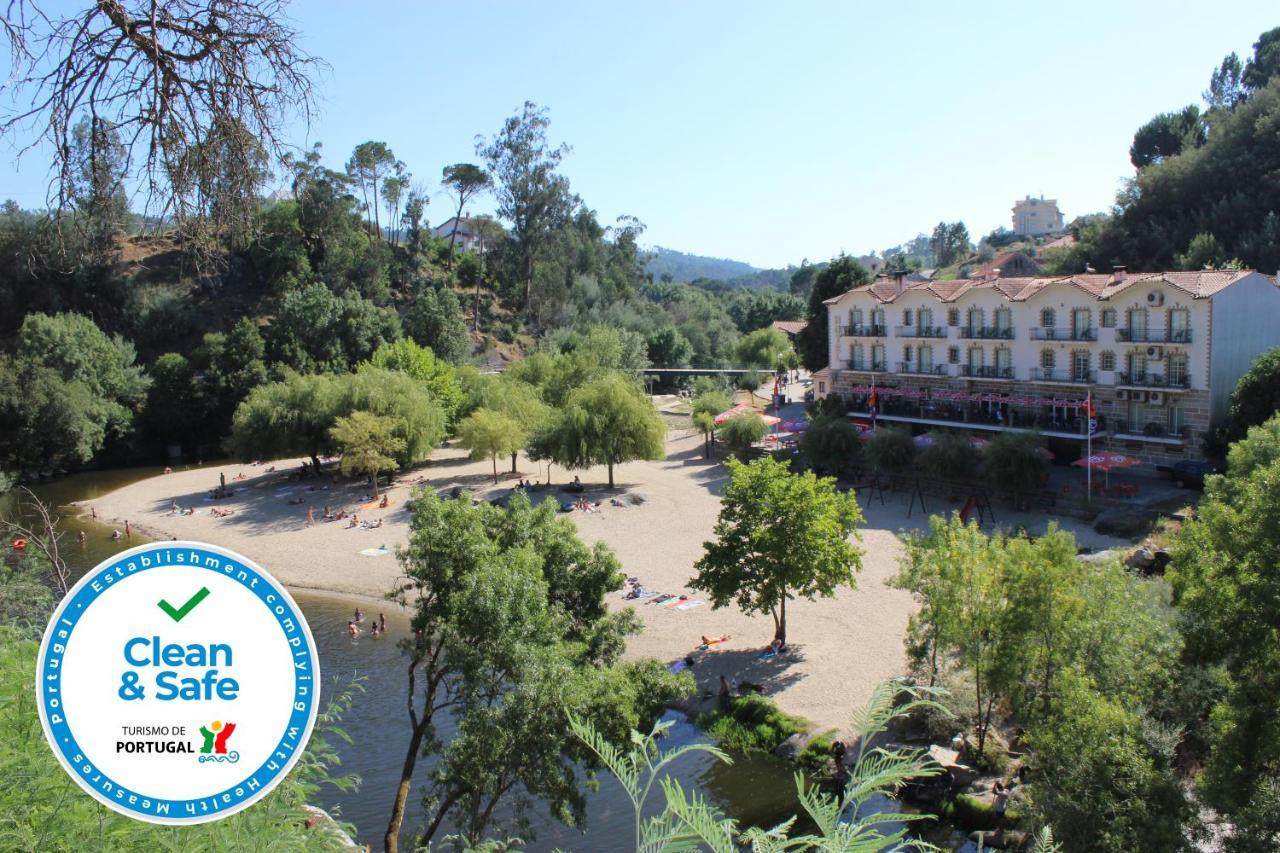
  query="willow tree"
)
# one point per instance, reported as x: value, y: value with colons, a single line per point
x: 606, y: 422
x: 369, y: 445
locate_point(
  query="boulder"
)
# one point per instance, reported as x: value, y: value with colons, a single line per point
x: 791, y: 748
x: 1141, y: 559
x: 949, y: 760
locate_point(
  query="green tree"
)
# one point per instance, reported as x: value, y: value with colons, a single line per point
x: 766, y: 349
x: 891, y: 450
x: 840, y: 276
x: 1264, y: 66
x: 706, y: 406
x: 515, y: 400
x: 434, y: 319
x: 1227, y: 589
x: 1226, y: 84
x: 491, y: 434
x: 368, y: 443
x: 510, y: 629
x: 1168, y: 135
x: 740, y: 432
x: 1016, y: 462
x: 607, y: 422
x: 531, y: 195
x: 315, y: 331
x: 233, y: 364
x: 175, y: 405
x: 464, y: 181
x: 419, y: 419
x: 667, y: 347
x: 949, y: 243
x: 419, y: 362
x: 951, y: 456
x: 100, y: 169
x: 289, y: 417
x: 831, y: 443
x: 779, y: 536
x: 370, y: 164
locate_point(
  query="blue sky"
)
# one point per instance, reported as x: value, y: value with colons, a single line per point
x: 771, y: 132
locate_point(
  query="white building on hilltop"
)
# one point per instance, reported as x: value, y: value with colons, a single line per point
x: 1036, y: 216
x: 1158, y: 353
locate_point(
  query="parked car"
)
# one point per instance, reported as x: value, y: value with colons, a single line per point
x: 1190, y: 473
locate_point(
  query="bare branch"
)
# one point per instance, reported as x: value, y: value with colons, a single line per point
x: 43, y: 536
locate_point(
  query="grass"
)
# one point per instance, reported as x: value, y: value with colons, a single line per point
x: 971, y: 813
x: 815, y: 758
x: 753, y: 724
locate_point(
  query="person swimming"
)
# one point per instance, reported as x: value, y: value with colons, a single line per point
x: 353, y: 629
x: 116, y: 536
x: 382, y: 622
x: 358, y: 616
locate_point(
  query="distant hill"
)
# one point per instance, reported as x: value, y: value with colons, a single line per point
x: 684, y: 267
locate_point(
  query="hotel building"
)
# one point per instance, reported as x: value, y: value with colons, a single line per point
x: 1158, y: 353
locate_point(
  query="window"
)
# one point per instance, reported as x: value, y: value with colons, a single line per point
x: 1048, y: 358
x: 1176, y: 419
x: 975, y: 319
x: 1137, y: 366
x: 1176, y: 365
x: 1108, y: 318
x: 1080, y: 364
x: 1136, y: 321
x: 953, y: 317
x: 906, y: 354
x: 1107, y: 361
x: 926, y: 359
x: 855, y: 356
x: 1179, y: 325
x: 975, y: 359
x: 1004, y: 319
x: 953, y: 355
x: 877, y: 317
x: 1080, y: 322
x: 1047, y: 318
x: 855, y: 317
x: 877, y: 356
x: 925, y: 316
x: 906, y: 316
x: 1004, y: 361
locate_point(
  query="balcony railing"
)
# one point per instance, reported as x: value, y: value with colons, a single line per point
x: 920, y: 331
x: 922, y: 369
x: 1001, y: 333
x: 864, y: 330
x: 986, y: 371
x: 1153, y: 380
x: 1039, y: 333
x: 869, y: 366
x: 1082, y: 377
x: 1154, y: 336
x: 1150, y: 429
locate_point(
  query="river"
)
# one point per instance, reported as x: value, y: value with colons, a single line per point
x: 756, y: 789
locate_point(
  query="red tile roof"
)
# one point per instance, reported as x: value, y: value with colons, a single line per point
x: 1002, y: 262
x: 1199, y: 284
x: 791, y: 327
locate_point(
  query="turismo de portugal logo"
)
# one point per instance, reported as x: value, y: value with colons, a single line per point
x: 178, y: 683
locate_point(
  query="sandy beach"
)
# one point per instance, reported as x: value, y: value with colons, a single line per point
x: 840, y: 647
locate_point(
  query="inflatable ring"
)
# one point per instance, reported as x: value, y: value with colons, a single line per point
x: 19, y: 544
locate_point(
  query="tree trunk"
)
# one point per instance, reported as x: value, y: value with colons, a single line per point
x: 781, y: 633
x: 374, y: 474
x: 391, y: 841
x: 495, y: 469
x: 315, y: 462
x: 453, y: 236
x: 513, y: 461
x: 611, y: 475
x: 377, y: 217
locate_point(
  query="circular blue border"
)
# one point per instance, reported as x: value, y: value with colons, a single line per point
x: 125, y: 800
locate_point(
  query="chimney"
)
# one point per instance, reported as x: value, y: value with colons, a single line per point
x: 1117, y: 273
x: 995, y: 273
x: 898, y: 279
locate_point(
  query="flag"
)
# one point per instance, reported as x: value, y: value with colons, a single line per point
x: 1091, y: 413
x: 871, y: 404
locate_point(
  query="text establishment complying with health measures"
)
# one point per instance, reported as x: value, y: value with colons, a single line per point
x: 178, y: 683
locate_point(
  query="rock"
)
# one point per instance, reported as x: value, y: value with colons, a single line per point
x: 1162, y: 560
x: 961, y: 774
x: 791, y: 748
x: 1140, y: 559
x: 949, y: 760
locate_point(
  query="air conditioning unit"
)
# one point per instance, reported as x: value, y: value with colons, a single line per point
x: 1155, y: 298
x: 1140, y: 396
x: 1122, y: 395
x: 1155, y: 398
x: 1155, y: 352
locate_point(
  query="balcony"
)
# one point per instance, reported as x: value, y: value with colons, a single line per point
x: 922, y: 369
x: 1076, y: 377
x: 1151, y: 431
x: 986, y: 371
x: 987, y: 333
x: 920, y: 332
x: 868, y: 366
x: 862, y: 330
x: 1039, y: 333
x: 1153, y: 380
x: 1154, y: 336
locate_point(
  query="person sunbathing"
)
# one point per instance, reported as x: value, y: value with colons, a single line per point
x: 375, y: 525
x: 385, y: 503
x: 355, y: 521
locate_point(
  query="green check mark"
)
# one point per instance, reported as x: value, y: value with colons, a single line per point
x: 176, y: 613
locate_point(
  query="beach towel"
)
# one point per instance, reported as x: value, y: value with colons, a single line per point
x: 376, y: 504
x: 689, y: 605
x: 375, y: 552
x: 663, y: 600
x: 678, y: 666
x: 766, y: 654
x: 715, y: 641
x: 675, y: 600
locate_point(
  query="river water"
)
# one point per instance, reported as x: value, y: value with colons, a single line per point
x: 756, y: 789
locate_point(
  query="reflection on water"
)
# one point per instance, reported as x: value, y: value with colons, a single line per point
x: 756, y: 790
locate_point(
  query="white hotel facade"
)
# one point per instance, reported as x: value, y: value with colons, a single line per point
x: 1159, y: 352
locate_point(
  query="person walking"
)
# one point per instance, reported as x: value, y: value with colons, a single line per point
x: 311, y: 516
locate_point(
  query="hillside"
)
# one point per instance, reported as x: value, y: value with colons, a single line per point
x: 684, y: 267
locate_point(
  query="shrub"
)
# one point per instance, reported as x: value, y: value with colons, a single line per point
x: 992, y: 760
x: 971, y: 813
x: 753, y: 724
x: 891, y: 450
x: 742, y: 431
x: 1015, y: 462
x: 815, y: 758
x: 952, y: 456
x: 831, y: 443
